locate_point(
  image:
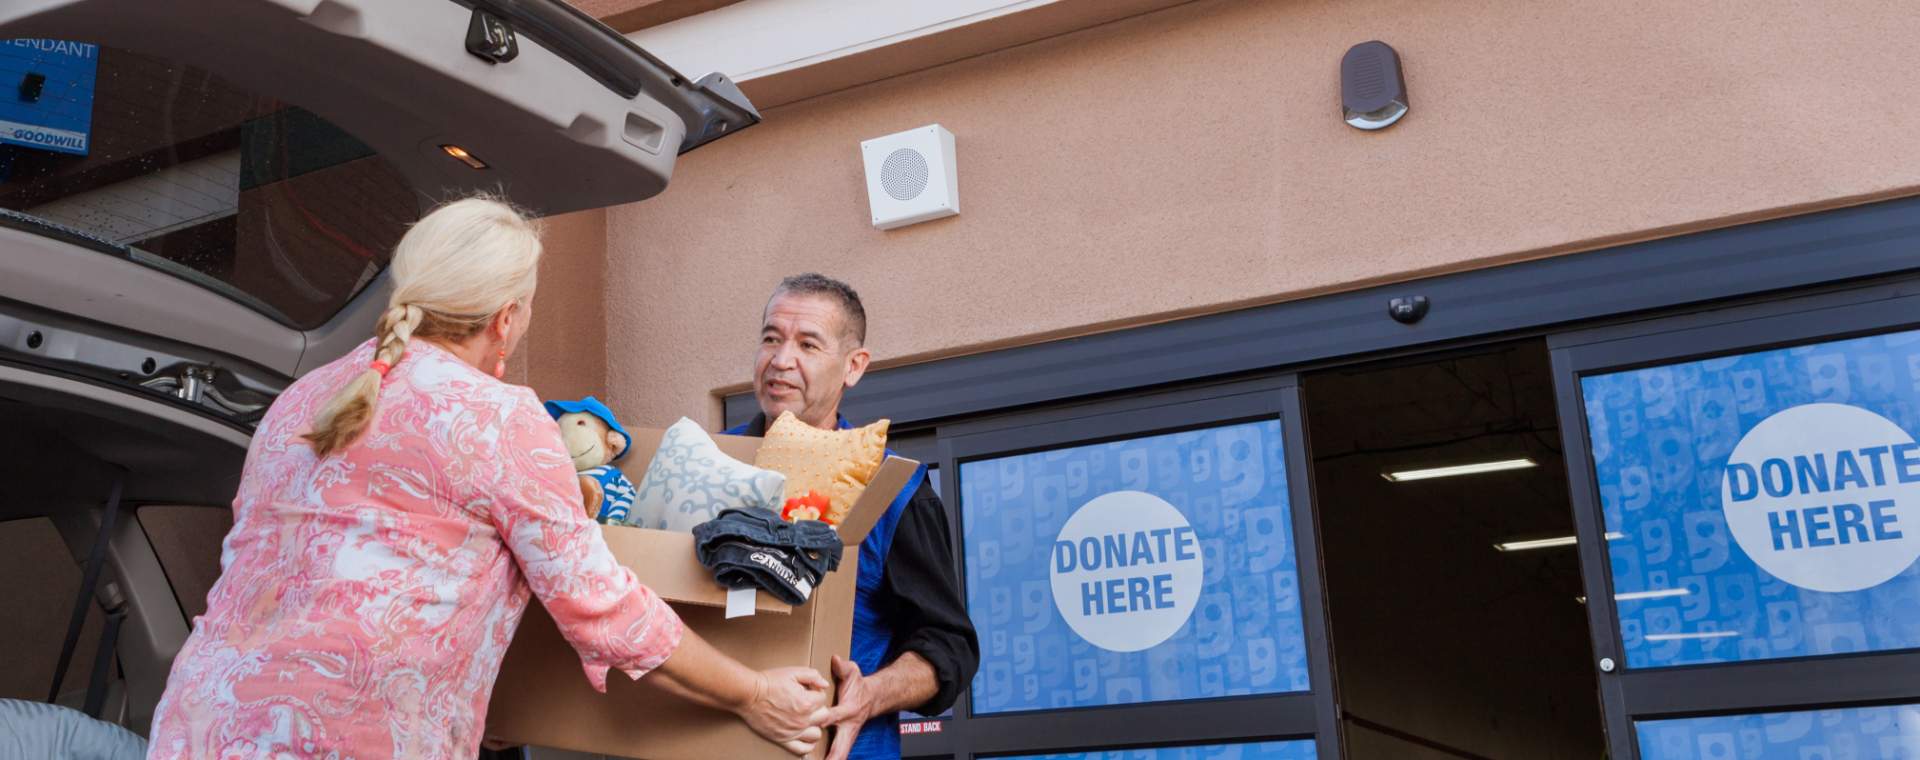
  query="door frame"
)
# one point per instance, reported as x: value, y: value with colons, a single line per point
x: 1731, y: 688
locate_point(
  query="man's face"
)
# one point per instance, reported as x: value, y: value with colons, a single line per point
x: 805, y: 361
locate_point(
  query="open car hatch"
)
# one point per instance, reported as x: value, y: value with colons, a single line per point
x: 198, y: 198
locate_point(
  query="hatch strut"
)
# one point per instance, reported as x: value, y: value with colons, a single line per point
x: 108, y: 636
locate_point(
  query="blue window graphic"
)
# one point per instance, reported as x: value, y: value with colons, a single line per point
x: 1763, y: 505
x: 1301, y: 749
x: 46, y: 94
x: 1146, y: 570
x: 1863, y: 733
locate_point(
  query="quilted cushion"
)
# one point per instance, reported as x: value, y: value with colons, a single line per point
x: 690, y: 480
x: 837, y: 464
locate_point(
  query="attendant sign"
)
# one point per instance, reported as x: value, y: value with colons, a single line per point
x: 46, y: 94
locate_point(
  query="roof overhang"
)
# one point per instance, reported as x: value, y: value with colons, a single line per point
x: 781, y: 51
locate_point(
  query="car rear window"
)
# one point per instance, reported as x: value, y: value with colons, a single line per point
x: 173, y: 167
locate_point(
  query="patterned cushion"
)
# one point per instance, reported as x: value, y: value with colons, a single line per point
x: 837, y: 463
x: 690, y: 480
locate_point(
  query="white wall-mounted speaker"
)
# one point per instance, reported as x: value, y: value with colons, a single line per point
x: 910, y: 177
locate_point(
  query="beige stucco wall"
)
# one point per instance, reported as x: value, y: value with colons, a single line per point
x: 563, y: 355
x: 1192, y: 160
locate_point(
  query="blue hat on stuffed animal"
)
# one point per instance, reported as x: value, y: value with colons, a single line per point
x: 592, y: 406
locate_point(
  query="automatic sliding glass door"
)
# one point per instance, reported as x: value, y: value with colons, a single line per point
x: 1747, y: 487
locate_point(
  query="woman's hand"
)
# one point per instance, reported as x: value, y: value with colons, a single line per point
x: 788, y: 707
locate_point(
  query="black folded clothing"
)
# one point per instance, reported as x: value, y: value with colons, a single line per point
x: 755, y: 548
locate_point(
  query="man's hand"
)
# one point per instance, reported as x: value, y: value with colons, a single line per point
x: 856, y: 702
x: 903, y: 685
x: 788, y: 707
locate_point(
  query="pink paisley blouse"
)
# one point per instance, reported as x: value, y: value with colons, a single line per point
x: 366, y: 599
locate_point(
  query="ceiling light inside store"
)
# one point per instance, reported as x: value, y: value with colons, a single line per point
x: 1459, y: 469
x: 1520, y: 545
x: 1538, y: 543
x: 465, y: 157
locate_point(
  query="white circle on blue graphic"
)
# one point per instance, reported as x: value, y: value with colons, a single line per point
x: 1127, y: 570
x: 1815, y: 495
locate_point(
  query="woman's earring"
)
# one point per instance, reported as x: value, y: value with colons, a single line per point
x: 500, y: 367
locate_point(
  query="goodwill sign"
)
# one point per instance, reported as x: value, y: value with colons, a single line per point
x: 1764, y: 505
x: 46, y: 94
x: 1153, y: 569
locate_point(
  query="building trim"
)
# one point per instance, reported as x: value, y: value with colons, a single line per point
x: 845, y: 66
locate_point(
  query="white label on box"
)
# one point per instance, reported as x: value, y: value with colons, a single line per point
x: 740, y: 602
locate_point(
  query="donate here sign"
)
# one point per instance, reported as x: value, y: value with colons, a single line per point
x: 1126, y: 571
x: 1825, y: 497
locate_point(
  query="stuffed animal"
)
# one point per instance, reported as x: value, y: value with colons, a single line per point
x: 594, y: 439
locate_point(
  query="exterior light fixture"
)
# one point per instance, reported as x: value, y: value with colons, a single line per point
x: 1520, y: 545
x: 1459, y: 469
x: 1372, y: 87
x: 465, y: 157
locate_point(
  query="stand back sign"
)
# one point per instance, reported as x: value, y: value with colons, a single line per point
x: 1764, y: 505
x: 46, y: 94
x: 1152, y: 569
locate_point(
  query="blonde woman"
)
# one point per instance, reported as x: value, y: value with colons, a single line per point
x: 395, y: 510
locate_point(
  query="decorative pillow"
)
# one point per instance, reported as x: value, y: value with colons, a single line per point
x: 836, y: 464
x: 690, y: 480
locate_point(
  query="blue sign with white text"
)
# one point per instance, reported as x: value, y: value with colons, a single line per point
x: 1763, y: 505
x: 1147, y: 570
x: 46, y: 94
x: 1855, y: 733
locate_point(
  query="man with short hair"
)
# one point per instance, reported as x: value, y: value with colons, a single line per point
x: 913, y: 646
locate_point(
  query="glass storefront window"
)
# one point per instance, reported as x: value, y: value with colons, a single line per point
x: 1763, y: 505
x: 1146, y: 570
x: 1855, y: 733
x: 177, y: 169
x: 1302, y: 749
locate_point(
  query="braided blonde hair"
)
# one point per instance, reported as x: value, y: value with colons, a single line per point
x: 455, y: 269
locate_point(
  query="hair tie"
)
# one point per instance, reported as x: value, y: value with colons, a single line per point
x: 380, y: 367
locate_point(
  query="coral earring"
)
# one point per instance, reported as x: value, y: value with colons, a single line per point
x: 500, y: 367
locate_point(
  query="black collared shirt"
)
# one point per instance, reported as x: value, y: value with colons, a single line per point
x: 919, y: 596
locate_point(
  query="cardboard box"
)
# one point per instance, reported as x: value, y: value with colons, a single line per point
x: 543, y: 698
